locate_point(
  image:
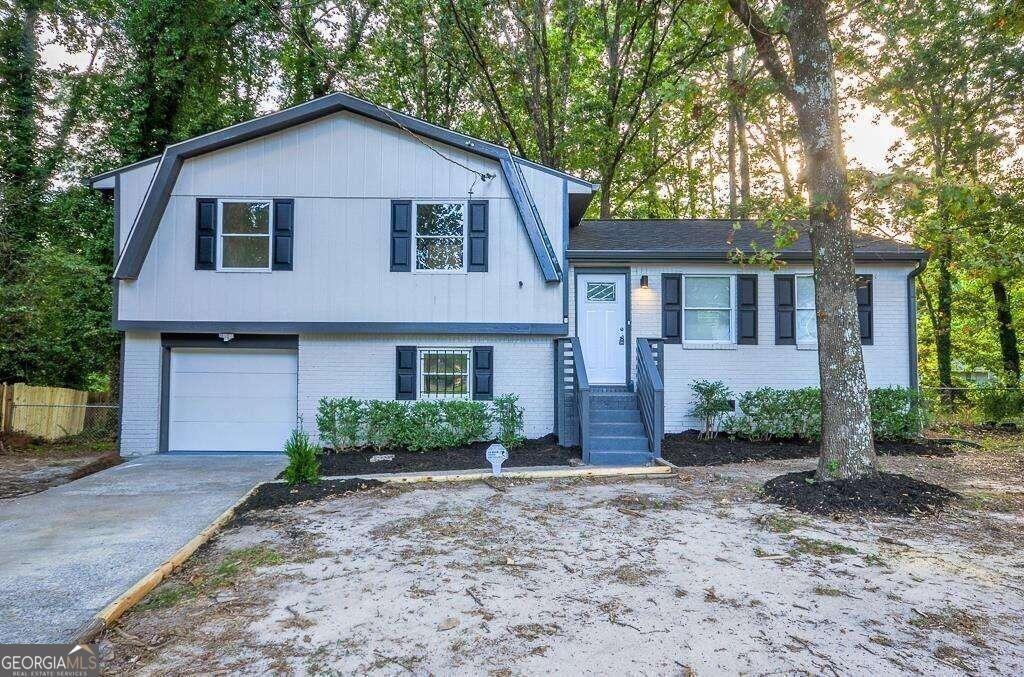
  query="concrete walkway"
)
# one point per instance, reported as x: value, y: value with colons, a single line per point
x: 67, y: 552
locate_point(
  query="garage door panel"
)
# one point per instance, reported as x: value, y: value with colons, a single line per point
x: 237, y: 409
x: 224, y: 384
x: 225, y: 436
x: 222, y: 361
x: 231, y: 400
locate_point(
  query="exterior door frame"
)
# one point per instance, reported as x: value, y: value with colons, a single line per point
x: 627, y: 276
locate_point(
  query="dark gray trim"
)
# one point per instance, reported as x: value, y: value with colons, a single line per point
x: 255, y: 341
x: 677, y: 278
x: 169, y: 341
x: 115, y: 284
x: 784, y: 310
x: 870, y: 305
x: 556, y: 172
x: 508, y: 328
x: 159, y: 193
x: 565, y: 249
x: 165, y: 395
x: 723, y: 256
x: 628, y: 286
x: 750, y: 309
x: 912, y: 321
x: 88, y: 181
x: 120, y: 396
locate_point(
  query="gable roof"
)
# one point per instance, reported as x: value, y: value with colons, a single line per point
x: 143, y: 230
x: 708, y: 239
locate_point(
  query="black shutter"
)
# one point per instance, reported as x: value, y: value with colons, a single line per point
x: 672, y: 308
x: 785, y: 310
x: 483, y: 372
x: 865, y: 311
x: 401, y: 236
x: 477, y: 236
x: 746, y: 309
x: 405, y: 373
x: 284, y: 234
x: 206, y: 234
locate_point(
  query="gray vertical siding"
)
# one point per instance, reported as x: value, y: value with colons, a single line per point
x: 342, y: 172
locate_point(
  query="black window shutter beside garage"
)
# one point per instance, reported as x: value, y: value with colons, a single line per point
x: 477, y: 236
x: 785, y: 310
x: 401, y: 236
x: 865, y: 311
x: 206, y: 234
x: 483, y: 372
x: 746, y: 309
x: 405, y: 373
x: 284, y: 234
x: 671, y: 308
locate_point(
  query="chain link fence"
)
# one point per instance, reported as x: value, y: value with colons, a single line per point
x: 40, y: 415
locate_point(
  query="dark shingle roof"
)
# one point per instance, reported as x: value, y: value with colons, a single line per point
x: 706, y: 238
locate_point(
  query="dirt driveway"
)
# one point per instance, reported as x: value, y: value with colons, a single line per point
x: 650, y: 576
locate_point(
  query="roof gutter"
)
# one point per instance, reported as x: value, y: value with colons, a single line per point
x: 723, y: 256
x: 913, y: 378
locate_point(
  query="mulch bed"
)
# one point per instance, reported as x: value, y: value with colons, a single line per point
x: 882, y: 493
x: 277, y: 494
x: 686, y: 449
x: 542, y: 451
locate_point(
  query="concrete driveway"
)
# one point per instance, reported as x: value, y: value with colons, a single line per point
x: 67, y: 552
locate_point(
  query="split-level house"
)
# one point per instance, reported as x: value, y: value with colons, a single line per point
x: 338, y: 248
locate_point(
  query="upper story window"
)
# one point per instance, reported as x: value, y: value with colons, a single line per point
x: 245, y: 227
x: 806, y: 319
x: 440, y: 236
x: 707, y: 308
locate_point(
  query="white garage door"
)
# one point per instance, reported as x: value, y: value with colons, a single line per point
x: 231, y: 400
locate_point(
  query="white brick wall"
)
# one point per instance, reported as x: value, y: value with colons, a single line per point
x: 140, y: 412
x: 364, y: 367
x: 744, y: 368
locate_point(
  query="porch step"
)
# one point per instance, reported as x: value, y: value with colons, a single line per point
x: 620, y: 458
x: 616, y: 428
x: 619, y: 443
x: 598, y: 416
x: 601, y: 401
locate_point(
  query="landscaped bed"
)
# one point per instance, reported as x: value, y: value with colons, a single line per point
x: 687, y: 449
x: 543, y: 451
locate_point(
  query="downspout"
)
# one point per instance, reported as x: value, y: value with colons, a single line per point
x: 912, y: 320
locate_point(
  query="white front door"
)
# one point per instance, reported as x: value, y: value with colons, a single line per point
x: 601, y: 326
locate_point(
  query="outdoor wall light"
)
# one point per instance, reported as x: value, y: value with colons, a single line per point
x: 643, y: 281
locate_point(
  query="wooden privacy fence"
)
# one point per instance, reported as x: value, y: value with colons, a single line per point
x: 40, y: 411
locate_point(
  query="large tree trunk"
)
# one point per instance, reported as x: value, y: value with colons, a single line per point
x: 847, y: 447
x: 1007, y: 334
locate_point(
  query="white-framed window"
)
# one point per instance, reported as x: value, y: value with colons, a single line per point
x: 445, y: 373
x: 708, y: 308
x: 439, y: 237
x: 244, y: 230
x: 806, y: 319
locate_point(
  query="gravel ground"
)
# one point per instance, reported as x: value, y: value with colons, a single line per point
x: 693, y: 573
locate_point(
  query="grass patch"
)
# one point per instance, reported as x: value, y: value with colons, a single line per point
x: 208, y: 577
x: 779, y: 523
x: 875, y: 560
x: 828, y: 591
x: 957, y: 621
x: 819, y: 548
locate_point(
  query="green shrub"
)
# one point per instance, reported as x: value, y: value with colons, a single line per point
x: 805, y: 413
x: 508, y: 415
x: 340, y: 421
x: 764, y: 415
x: 385, y: 423
x: 465, y: 422
x: 996, y: 403
x: 710, y: 405
x: 423, y: 426
x: 303, y: 463
x: 897, y: 413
